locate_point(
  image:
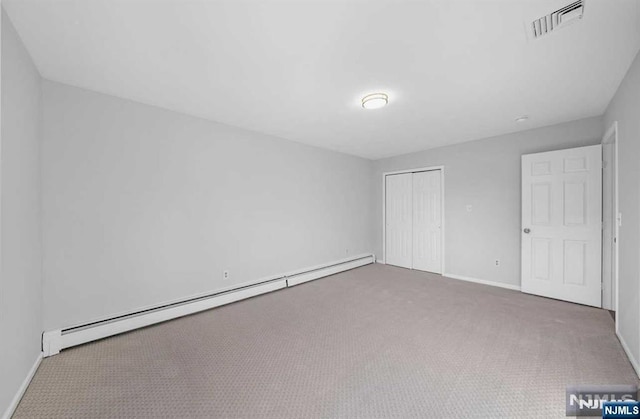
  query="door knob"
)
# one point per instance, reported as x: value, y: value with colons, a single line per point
x: 527, y: 231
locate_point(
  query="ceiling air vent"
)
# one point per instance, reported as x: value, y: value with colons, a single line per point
x: 558, y: 19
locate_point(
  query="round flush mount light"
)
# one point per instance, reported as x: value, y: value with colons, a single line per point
x: 375, y: 101
x: 523, y: 118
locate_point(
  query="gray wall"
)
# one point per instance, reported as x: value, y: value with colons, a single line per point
x: 143, y: 205
x: 20, y: 257
x: 625, y: 108
x: 485, y: 174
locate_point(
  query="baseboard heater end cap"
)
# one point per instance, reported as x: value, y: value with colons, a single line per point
x: 51, y: 342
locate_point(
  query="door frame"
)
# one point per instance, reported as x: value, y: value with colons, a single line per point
x: 384, y: 210
x: 611, y: 137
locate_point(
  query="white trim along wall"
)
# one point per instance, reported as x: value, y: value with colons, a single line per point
x: 23, y: 388
x: 611, y: 137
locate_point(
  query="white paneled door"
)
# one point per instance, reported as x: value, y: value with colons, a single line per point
x: 562, y: 224
x: 413, y: 220
x: 399, y: 219
x: 427, y: 221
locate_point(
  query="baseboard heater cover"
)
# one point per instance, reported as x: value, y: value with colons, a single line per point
x: 311, y: 274
x: 54, y: 341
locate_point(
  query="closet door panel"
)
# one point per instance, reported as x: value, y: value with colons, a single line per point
x: 399, y: 220
x: 427, y: 221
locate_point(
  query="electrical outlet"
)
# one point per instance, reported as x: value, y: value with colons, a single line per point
x: 497, y: 262
x: 469, y: 208
x: 225, y: 275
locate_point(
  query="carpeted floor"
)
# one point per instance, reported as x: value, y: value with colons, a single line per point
x: 377, y: 341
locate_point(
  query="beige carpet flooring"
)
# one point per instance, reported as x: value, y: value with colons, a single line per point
x: 374, y: 342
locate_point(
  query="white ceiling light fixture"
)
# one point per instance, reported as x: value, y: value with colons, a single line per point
x: 375, y: 101
x: 523, y: 118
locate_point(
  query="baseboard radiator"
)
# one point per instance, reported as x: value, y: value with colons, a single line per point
x: 56, y: 340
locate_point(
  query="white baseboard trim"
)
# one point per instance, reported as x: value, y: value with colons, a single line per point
x: 483, y: 281
x: 53, y: 341
x: 23, y: 387
x: 627, y: 350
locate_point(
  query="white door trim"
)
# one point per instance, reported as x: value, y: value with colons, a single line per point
x: 611, y: 137
x: 384, y: 204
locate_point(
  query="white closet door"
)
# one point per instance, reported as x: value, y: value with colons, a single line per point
x: 399, y: 220
x: 562, y: 221
x: 427, y: 221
